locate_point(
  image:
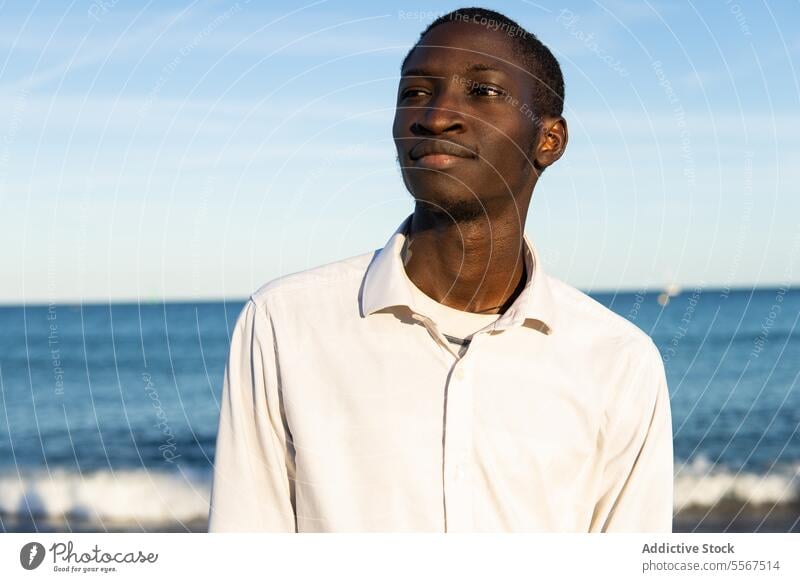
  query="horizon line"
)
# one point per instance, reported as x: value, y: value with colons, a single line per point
x: 241, y: 299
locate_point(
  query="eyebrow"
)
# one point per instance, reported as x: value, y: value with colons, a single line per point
x: 470, y: 68
x: 419, y: 73
x: 477, y: 67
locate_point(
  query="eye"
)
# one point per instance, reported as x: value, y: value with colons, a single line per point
x: 412, y: 92
x: 483, y: 90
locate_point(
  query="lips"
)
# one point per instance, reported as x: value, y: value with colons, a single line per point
x: 440, y: 149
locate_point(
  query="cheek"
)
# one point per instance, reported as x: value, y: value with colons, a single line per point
x: 508, y: 154
x: 399, y: 124
x: 522, y: 145
x: 505, y: 147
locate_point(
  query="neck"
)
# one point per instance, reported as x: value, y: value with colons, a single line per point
x: 476, y: 266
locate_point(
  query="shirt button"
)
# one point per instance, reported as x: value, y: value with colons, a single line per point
x: 459, y: 473
x: 459, y: 375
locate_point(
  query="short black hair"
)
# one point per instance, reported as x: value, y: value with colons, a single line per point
x: 548, y: 95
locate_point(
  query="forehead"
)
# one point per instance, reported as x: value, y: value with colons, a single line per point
x: 450, y: 47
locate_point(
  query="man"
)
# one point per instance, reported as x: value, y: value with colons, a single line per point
x: 446, y: 382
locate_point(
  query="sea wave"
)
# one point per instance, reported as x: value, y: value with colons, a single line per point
x: 148, y: 497
x: 130, y: 496
x: 700, y: 483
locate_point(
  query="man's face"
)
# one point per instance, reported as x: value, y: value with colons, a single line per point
x: 464, y: 125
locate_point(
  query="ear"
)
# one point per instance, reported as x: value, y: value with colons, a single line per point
x: 552, y: 143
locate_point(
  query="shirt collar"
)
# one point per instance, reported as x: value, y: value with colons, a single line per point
x: 386, y: 285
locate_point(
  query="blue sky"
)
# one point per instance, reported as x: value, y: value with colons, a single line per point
x: 198, y: 150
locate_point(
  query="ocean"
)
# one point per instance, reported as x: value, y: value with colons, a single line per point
x: 109, y: 412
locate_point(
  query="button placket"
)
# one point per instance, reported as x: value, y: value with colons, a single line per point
x: 437, y: 336
x: 458, y: 449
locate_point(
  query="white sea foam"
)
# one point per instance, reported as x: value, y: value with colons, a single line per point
x: 124, y: 496
x: 700, y: 483
x: 138, y: 496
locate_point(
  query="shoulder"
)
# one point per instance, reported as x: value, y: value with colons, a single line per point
x: 314, y: 284
x: 613, y: 351
x: 620, y: 357
x: 581, y: 315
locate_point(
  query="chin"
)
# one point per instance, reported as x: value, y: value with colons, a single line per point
x: 461, y: 207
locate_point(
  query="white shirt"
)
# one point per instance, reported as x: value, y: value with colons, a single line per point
x: 345, y: 409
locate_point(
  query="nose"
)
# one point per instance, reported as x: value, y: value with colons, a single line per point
x: 440, y: 115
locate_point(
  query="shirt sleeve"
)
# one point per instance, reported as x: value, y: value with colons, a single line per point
x: 253, y: 485
x: 637, y: 483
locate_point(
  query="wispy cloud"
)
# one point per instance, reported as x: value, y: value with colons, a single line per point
x: 86, y: 52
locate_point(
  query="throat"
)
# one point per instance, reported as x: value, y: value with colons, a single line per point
x: 467, y: 280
